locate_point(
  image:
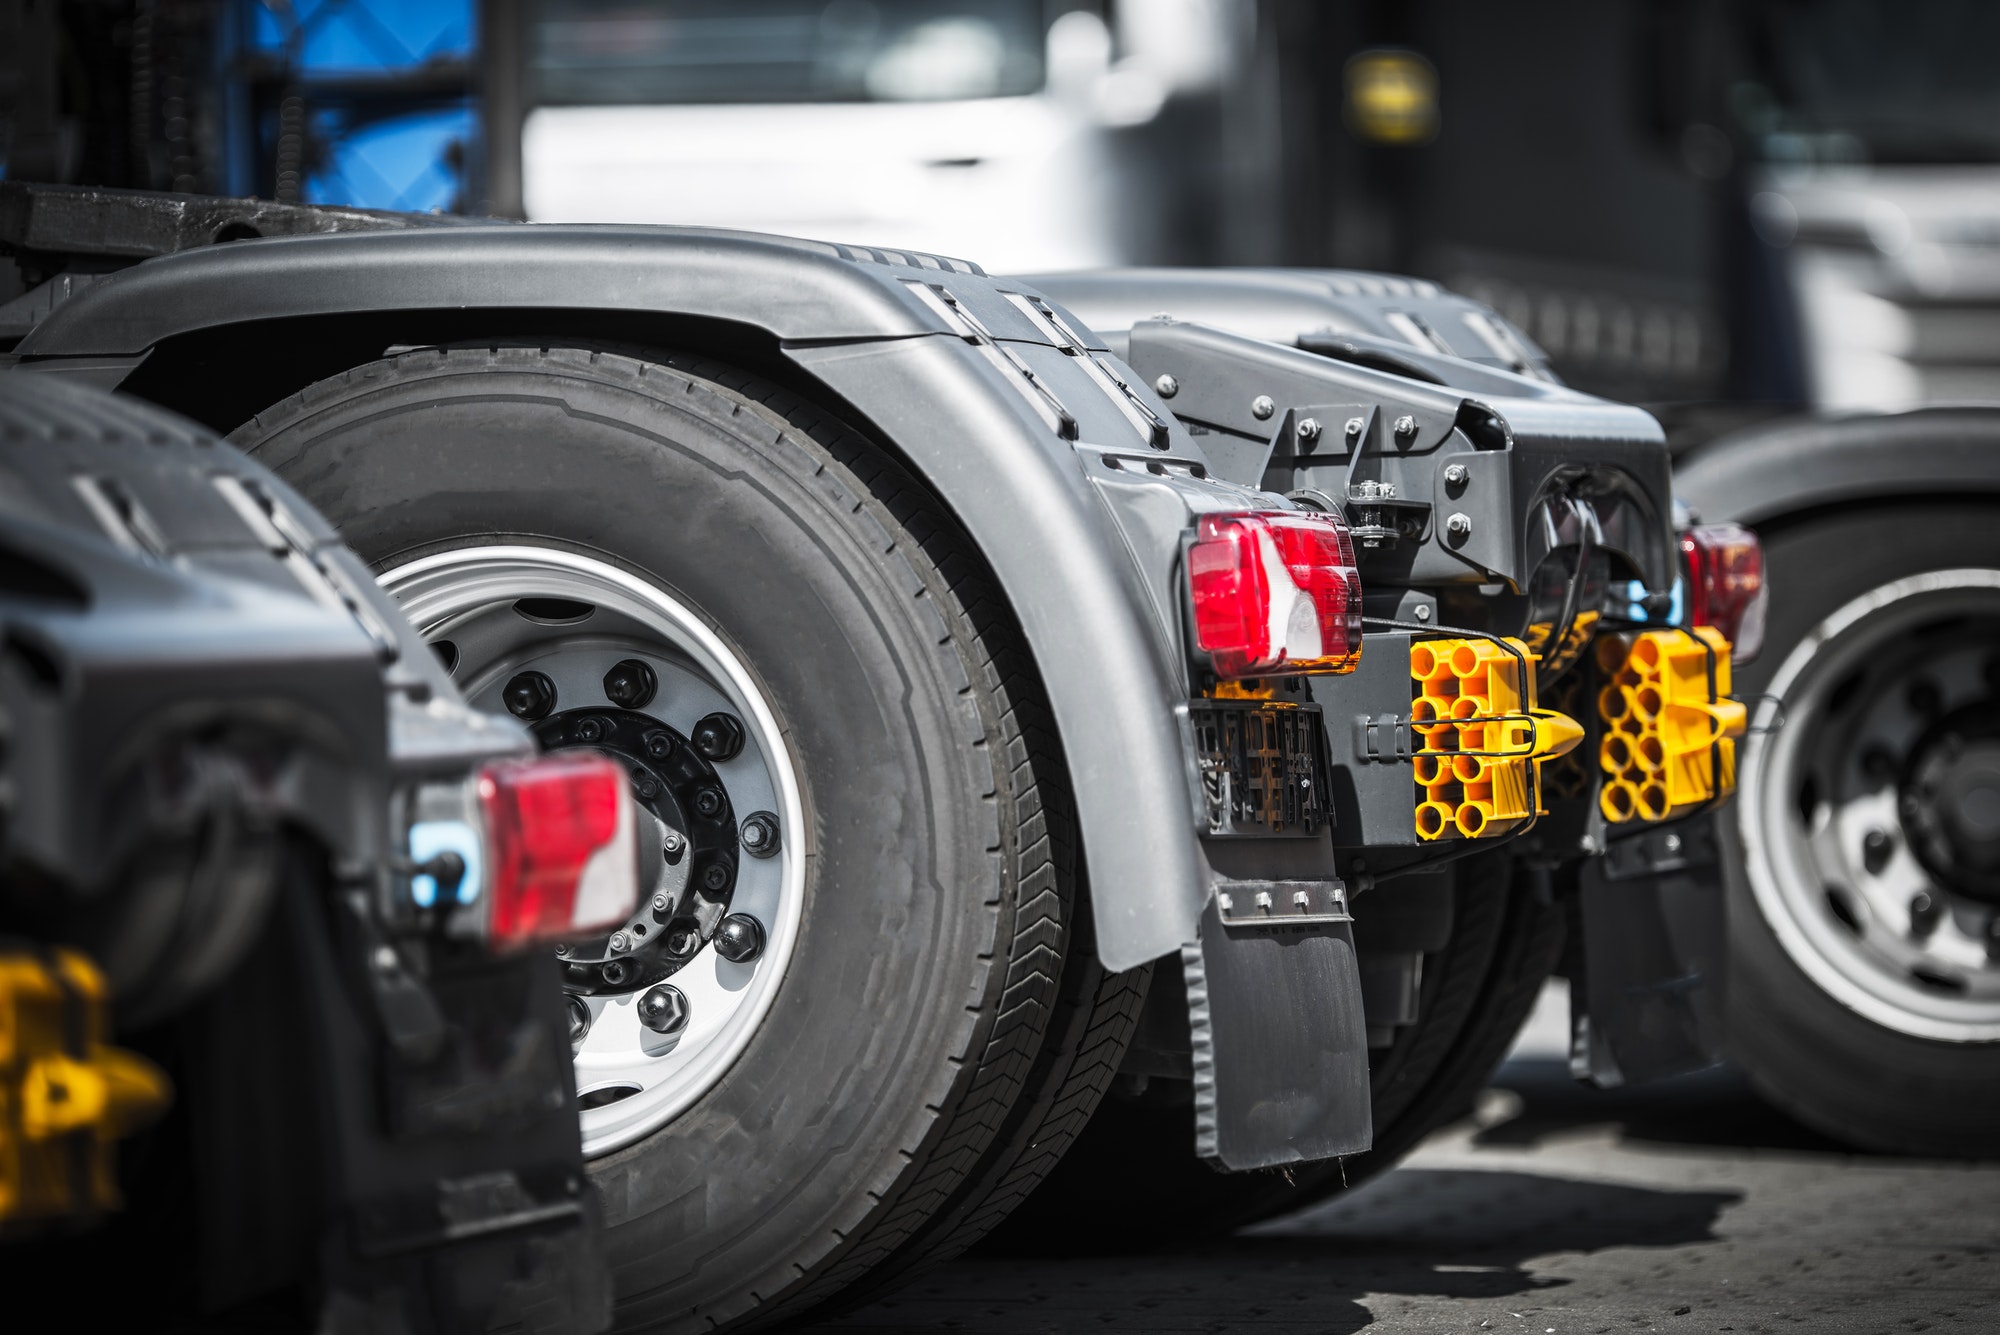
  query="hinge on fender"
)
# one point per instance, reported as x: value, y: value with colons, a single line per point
x: 1385, y: 738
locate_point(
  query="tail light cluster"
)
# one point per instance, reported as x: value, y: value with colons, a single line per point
x: 1275, y: 593
x: 561, y: 848
x: 1725, y: 583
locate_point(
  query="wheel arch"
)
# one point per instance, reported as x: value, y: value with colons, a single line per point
x: 221, y: 333
x: 1795, y: 470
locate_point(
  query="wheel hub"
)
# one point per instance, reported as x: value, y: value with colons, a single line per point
x: 1950, y: 801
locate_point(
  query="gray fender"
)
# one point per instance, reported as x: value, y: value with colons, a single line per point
x: 1793, y: 467
x: 971, y: 427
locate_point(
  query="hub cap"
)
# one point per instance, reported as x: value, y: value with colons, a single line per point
x: 1871, y: 818
x: 590, y: 655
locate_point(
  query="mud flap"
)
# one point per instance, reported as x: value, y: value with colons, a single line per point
x: 1274, y: 1010
x: 1645, y: 1003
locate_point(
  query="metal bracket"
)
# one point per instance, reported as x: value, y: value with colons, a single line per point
x: 1385, y: 738
x: 1281, y: 904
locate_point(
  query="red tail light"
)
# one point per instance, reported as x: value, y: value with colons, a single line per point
x: 1275, y: 593
x: 1725, y: 580
x: 561, y: 848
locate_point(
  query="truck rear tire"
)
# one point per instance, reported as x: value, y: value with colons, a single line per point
x: 1863, y: 859
x: 925, y: 1027
x: 1134, y: 1181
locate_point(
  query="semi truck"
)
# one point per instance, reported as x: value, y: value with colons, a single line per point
x: 1027, y: 706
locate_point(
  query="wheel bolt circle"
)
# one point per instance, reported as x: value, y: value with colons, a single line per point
x: 630, y: 684
x: 663, y: 1009
x: 740, y: 938
x: 529, y: 695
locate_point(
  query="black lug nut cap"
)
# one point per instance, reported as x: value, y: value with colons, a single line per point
x: 663, y: 1009
x: 530, y: 695
x: 739, y: 938
x: 718, y: 736
x: 759, y: 834
x: 630, y: 684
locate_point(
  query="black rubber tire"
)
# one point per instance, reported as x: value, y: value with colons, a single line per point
x: 1133, y: 1179
x: 943, y: 1027
x: 1823, y: 1063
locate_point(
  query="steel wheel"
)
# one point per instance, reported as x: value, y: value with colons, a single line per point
x: 1870, y: 821
x: 726, y: 808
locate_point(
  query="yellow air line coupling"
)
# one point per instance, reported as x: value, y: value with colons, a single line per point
x: 1669, y: 725
x: 65, y: 1097
x: 1481, y: 737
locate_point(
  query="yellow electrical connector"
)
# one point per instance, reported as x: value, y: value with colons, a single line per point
x: 1669, y: 727
x: 1479, y: 729
x: 65, y: 1097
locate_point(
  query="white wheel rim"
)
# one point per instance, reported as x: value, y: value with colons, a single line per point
x: 452, y: 591
x: 1872, y: 964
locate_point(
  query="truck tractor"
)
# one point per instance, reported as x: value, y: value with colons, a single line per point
x: 1026, y: 706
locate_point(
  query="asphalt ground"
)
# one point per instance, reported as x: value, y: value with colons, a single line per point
x: 1684, y: 1206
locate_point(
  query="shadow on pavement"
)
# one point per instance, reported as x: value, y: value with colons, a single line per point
x: 1712, y: 1109
x: 1435, y: 1233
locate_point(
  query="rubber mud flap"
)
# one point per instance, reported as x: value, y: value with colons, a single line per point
x: 1646, y: 1004
x: 1280, y: 1046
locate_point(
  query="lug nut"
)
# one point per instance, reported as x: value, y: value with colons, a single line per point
x: 579, y: 1020
x: 740, y: 938
x: 659, y: 745
x: 663, y: 1009
x: 718, y: 737
x: 1166, y: 387
x: 530, y: 695
x: 1876, y: 846
x: 590, y: 730
x: 760, y: 834
x: 1924, y: 913
x: 1261, y: 407
x: 630, y: 684
x: 708, y: 801
x: 716, y: 876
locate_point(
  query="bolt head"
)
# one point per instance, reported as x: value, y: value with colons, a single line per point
x: 1166, y: 387
x: 718, y: 737
x: 716, y: 876
x: 620, y: 943
x: 589, y: 730
x: 663, y: 1009
x: 708, y: 801
x: 1456, y: 474
x: 661, y: 903
x: 645, y: 785
x: 529, y: 695
x: 561, y: 949
x: 1423, y: 612
x: 1672, y: 843
x: 760, y: 834
x: 615, y: 972
x: 579, y: 1019
x: 683, y: 941
x: 671, y: 841
x: 1924, y: 912
x: 1459, y: 525
x: 630, y: 684
x: 659, y: 745
x: 1406, y: 425
x: 1261, y: 407
x: 1354, y: 425
x: 1309, y: 428
x: 739, y: 938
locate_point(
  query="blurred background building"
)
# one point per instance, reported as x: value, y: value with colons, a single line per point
x: 1718, y: 208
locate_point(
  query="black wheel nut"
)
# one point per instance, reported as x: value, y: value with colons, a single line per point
x: 1924, y: 913
x: 708, y: 801
x: 630, y: 684
x: 663, y: 1009
x: 530, y: 695
x: 579, y: 1020
x: 739, y: 939
x: 1876, y: 846
x: 760, y: 834
x: 659, y: 745
x: 718, y: 736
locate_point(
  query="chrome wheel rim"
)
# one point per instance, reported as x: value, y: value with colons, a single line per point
x: 1837, y: 807
x: 631, y: 1081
